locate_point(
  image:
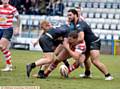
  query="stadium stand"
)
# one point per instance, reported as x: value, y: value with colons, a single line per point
x: 103, y: 17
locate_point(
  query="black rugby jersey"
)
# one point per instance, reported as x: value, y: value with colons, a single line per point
x: 83, y: 26
x: 61, y: 31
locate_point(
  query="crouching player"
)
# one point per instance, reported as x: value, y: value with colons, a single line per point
x: 48, y: 44
x: 72, y: 48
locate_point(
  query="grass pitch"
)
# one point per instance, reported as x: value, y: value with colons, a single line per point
x: 55, y: 81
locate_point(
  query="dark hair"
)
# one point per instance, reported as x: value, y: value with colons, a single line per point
x: 73, y: 34
x: 73, y: 11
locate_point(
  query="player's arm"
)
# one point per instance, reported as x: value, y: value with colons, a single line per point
x: 80, y: 36
x: 16, y: 15
x: 74, y: 54
x: 80, y: 33
x: 40, y: 34
x: 18, y: 20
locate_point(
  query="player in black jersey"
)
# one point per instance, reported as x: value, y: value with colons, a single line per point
x: 92, y: 42
x: 48, y: 42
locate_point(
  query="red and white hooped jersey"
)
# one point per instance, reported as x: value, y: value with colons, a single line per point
x: 81, y: 17
x: 81, y: 47
x: 6, y: 16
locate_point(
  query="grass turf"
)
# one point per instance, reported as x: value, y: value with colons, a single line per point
x: 55, y: 81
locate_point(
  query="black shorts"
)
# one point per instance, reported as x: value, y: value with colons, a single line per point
x: 47, y: 44
x: 94, y: 45
x: 6, y: 33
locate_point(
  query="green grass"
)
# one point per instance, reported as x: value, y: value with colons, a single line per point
x: 54, y: 81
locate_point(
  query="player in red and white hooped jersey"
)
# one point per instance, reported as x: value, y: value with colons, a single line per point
x: 72, y: 48
x: 7, y: 12
x: 77, y: 52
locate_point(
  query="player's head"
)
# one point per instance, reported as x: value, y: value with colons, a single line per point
x: 72, y: 14
x: 73, y: 37
x: 5, y: 1
x: 45, y: 25
x: 78, y: 9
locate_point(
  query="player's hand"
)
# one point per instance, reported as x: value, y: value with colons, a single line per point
x: 68, y: 22
x: 34, y: 43
x: 66, y: 44
x: 16, y: 31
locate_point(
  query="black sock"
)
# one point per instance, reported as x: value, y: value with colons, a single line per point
x: 107, y: 75
x: 41, y: 72
x: 87, y: 72
x: 66, y: 63
x: 33, y: 65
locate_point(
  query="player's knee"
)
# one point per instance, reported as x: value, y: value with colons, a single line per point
x: 96, y: 62
x: 1, y: 46
x: 82, y: 59
x: 50, y: 61
x: 56, y: 58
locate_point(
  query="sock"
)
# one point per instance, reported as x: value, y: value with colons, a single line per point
x: 40, y: 72
x: 72, y: 67
x: 51, y: 68
x: 87, y: 72
x: 66, y: 63
x: 107, y: 75
x: 42, y: 67
x: 33, y: 65
x: 7, y: 55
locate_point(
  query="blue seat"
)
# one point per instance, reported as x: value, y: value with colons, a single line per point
x: 117, y: 16
x: 102, y: 5
x: 113, y: 27
x: 91, y: 15
x: 95, y: 5
x: 89, y: 5
x: 97, y: 15
x: 100, y: 26
x: 118, y: 27
x: 93, y: 25
x: 115, y: 5
x: 109, y: 37
x: 76, y: 4
x: 70, y: 4
x: 110, y: 16
x: 106, y: 26
x: 108, y: 5
x: 104, y: 15
x: 83, y: 4
x: 102, y: 36
x: 36, y: 22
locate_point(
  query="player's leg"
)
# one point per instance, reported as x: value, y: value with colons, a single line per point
x: 76, y: 64
x: 41, y: 71
x: 42, y: 61
x: 4, y: 47
x: 47, y: 46
x: 95, y: 55
x: 87, y: 64
x: 44, y: 67
x: 95, y: 58
x: 57, y: 51
x: 62, y: 56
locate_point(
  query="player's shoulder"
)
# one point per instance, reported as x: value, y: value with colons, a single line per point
x: 83, y: 23
x: 1, y: 5
x: 11, y: 7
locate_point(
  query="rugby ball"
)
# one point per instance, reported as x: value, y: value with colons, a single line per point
x: 64, y: 71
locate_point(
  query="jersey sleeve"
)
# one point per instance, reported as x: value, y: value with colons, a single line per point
x: 79, y: 27
x: 15, y: 12
x: 80, y: 48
